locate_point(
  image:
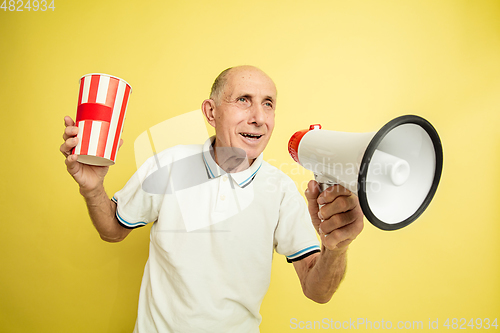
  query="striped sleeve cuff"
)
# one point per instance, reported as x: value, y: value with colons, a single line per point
x: 303, y: 253
x: 124, y: 223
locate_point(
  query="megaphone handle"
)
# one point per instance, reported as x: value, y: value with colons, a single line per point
x: 323, y: 182
x: 324, y: 186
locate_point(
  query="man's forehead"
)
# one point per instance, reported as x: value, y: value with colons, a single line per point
x: 250, y: 80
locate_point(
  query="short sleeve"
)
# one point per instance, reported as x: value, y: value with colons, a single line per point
x: 136, y: 205
x: 295, y: 236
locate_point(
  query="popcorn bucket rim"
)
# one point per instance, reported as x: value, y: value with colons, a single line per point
x: 109, y: 75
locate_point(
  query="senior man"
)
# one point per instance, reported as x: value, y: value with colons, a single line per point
x: 212, y: 277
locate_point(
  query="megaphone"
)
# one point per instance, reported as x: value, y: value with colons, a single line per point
x: 394, y: 172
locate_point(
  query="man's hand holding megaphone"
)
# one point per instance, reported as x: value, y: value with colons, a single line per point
x: 338, y: 219
x: 394, y: 172
x: 336, y: 215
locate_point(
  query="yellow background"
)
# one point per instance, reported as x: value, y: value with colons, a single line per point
x: 349, y: 65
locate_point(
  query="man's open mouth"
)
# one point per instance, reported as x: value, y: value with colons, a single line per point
x: 251, y: 136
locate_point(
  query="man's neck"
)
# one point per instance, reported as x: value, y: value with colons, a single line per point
x: 230, y: 159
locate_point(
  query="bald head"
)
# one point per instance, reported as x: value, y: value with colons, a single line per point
x: 220, y: 83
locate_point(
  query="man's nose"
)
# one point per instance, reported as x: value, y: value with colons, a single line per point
x: 257, y: 115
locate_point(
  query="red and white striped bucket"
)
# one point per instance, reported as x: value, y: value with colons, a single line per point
x: 102, y: 104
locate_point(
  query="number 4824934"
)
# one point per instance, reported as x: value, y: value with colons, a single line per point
x: 21, y: 6
x: 477, y: 323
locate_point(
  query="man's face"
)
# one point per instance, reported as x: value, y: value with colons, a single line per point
x: 244, y: 117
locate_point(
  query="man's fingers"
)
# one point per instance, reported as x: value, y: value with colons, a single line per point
x: 68, y: 145
x: 72, y: 165
x: 69, y: 136
x: 70, y: 131
x: 311, y: 194
x: 343, y: 236
x: 343, y: 221
x: 341, y: 204
x: 338, y: 221
x: 331, y: 193
x: 68, y: 121
x: 312, y: 190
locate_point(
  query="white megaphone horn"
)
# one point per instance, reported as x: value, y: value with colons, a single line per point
x: 394, y: 172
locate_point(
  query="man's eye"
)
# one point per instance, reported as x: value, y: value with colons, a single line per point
x: 242, y: 99
x: 268, y: 104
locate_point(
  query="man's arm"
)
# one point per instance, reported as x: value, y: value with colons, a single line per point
x: 338, y: 223
x: 102, y: 210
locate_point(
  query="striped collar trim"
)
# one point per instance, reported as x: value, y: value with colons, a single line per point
x: 242, y: 178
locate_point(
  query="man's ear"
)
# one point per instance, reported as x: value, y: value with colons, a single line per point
x: 208, y: 109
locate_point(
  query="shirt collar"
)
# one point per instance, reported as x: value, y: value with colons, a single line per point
x: 242, y: 178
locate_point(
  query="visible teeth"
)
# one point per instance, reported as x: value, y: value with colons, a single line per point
x: 247, y: 135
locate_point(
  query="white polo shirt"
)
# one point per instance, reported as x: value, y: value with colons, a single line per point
x: 212, y: 240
